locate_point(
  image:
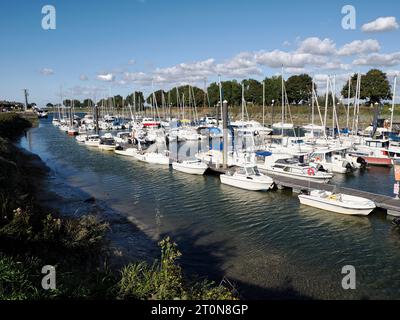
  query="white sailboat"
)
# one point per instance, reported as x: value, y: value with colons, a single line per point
x: 339, y: 203
x: 248, y: 178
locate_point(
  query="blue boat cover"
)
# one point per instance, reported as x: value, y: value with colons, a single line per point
x: 264, y: 154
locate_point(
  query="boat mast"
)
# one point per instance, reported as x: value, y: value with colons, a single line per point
x: 312, y: 108
x: 263, y: 103
x: 393, y: 103
x: 348, y: 104
x: 326, y: 103
x: 283, y: 103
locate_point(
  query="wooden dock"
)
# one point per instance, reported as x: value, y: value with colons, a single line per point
x: 381, y: 201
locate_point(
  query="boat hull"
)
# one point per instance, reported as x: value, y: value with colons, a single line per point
x: 381, y: 162
x: 298, y: 177
x: 106, y: 147
x: 251, y: 185
x: 127, y: 152
x: 194, y: 170
x: 324, y: 205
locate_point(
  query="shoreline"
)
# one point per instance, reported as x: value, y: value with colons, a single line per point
x: 97, y: 253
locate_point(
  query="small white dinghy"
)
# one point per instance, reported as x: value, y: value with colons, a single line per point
x: 195, y: 167
x: 248, y: 178
x: 339, y: 203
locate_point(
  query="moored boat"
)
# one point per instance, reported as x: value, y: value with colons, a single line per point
x: 195, y: 167
x: 248, y: 178
x: 339, y: 203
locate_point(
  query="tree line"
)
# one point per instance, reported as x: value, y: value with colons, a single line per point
x: 375, y: 87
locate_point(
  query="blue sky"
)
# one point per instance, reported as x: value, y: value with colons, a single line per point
x: 101, y: 47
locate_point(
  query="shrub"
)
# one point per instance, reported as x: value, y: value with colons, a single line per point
x: 164, y: 280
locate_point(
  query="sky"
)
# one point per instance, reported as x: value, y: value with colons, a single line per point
x: 101, y: 47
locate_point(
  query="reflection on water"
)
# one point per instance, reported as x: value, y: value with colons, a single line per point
x: 266, y: 242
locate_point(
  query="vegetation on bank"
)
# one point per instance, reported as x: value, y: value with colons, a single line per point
x: 32, y: 237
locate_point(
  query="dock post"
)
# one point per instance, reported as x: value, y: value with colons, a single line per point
x: 225, y: 129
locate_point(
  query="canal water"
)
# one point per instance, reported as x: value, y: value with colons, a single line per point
x: 266, y: 244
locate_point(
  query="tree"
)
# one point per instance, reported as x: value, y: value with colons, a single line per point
x: 196, y: 94
x: 253, y: 91
x: 138, y: 99
x: 49, y: 105
x: 299, y: 88
x: 213, y: 94
x: 375, y: 87
x: 88, y: 103
x: 353, y: 85
x: 232, y: 92
x: 273, y: 89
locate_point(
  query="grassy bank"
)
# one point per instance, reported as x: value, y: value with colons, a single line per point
x: 32, y: 237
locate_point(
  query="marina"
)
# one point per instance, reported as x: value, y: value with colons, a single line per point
x: 190, y: 158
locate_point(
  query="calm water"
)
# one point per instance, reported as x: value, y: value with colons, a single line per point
x: 265, y: 243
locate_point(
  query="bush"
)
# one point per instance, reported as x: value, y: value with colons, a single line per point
x: 164, y: 280
x: 12, y: 125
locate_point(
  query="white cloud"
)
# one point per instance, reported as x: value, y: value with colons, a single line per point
x: 380, y: 25
x: 277, y: 59
x: 132, y: 62
x: 83, y: 77
x: 317, y: 46
x: 360, y: 47
x: 46, y: 72
x: 107, y: 77
x: 379, y: 60
x: 86, y: 91
x: 336, y: 65
x: 295, y: 70
x: 243, y: 65
x: 393, y: 73
x: 140, y: 78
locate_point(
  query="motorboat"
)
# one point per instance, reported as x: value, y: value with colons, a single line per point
x: 153, y: 158
x: 195, y: 167
x: 107, y: 143
x: 93, y: 140
x: 291, y: 168
x: 235, y: 158
x: 81, y: 138
x: 332, y: 161
x: 339, y: 203
x: 72, y: 131
x: 129, y: 152
x: 375, y: 152
x: 248, y: 178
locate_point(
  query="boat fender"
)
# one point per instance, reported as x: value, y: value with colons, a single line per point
x: 311, y: 172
